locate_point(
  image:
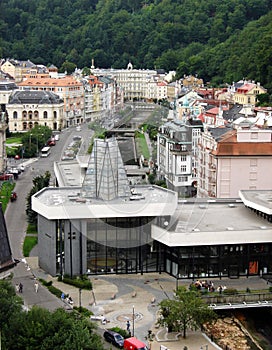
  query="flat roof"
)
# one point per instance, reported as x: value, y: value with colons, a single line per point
x: 260, y: 200
x: 213, y: 223
x: 67, y: 203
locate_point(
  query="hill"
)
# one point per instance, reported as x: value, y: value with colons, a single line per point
x: 219, y: 40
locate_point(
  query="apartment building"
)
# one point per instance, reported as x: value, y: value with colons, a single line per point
x: 177, y: 154
x: 231, y: 160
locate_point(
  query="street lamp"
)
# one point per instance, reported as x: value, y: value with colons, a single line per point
x: 38, y: 144
x: 133, y: 316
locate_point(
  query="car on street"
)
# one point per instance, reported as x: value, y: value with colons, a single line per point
x: 114, y: 338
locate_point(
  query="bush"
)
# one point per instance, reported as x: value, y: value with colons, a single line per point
x: 45, y: 283
x: 82, y: 282
x: 83, y: 311
x: 57, y: 292
x: 230, y: 291
x: 124, y: 333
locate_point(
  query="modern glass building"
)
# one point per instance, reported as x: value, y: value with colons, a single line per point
x: 96, y: 223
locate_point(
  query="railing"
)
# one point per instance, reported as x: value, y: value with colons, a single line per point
x: 251, y: 299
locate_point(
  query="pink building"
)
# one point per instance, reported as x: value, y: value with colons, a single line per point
x: 234, y: 160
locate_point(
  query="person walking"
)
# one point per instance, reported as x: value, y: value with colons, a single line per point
x: 20, y: 288
x: 36, y: 286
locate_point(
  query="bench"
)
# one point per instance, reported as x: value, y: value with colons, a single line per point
x: 134, y: 294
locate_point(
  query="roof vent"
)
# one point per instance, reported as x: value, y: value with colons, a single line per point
x: 230, y: 228
x: 231, y: 205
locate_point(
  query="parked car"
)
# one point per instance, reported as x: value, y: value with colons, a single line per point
x: 114, y: 338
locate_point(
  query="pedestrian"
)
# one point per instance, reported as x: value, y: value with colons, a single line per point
x: 20, y: 288
x: 36, y: 286
x: 128, y: 325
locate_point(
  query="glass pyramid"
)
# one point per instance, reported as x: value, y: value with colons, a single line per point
x: 106, y: 176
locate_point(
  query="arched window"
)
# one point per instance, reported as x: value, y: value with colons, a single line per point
x: 15, y: 115
x: 45, y: 114
x: 36, y: 114
x: 30, y: 125
x: 24, y: 114
x: 55, y: 115
x: 24, y: 125
x: 30, y: 114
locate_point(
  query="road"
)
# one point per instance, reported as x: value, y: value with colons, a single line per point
x: 16, y: 219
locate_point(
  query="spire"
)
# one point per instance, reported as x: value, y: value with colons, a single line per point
x: 106, y: 176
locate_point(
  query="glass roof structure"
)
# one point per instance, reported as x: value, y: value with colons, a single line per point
x: 105, y: 177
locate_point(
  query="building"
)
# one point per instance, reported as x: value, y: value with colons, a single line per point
x: 26, y: 109
x: 16, y: 69
x: 6, y: 259
x: 95, y: 223
x: 103, y: 225
x: 246, y: 92
x: 177, y: 154
x: 70, y: 90
x: 231, y: 160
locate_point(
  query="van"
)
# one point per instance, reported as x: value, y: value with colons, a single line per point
x: 134, y: 344
x: 56, y: 137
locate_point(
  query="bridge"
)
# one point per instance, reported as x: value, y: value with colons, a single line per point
x: 239, y: 301
x: 244, y: 305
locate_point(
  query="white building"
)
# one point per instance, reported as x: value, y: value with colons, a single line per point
x: 29, y: 108
x: 177, y: 154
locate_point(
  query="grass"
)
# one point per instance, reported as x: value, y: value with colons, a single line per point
x: 142, y: 145
x: 5, y: 192
x: 29, y: 244
x: 31, y: 229
x: 16, y: 140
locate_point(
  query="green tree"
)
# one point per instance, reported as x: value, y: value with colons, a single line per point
x: 187, y: 310
x: 39, y: 183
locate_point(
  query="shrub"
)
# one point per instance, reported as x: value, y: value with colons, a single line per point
x: 83, y: 311
x: 57, y: 292
x: 230, y: 291
x: 82, y: 282
x: 45, y: 283
x: 124, y: 333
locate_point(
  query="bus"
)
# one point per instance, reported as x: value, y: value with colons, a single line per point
x: 45, y: 151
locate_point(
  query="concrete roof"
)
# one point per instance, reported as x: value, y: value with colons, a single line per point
x: 67, y: 203
x: 214, y: 223
x: 259, y: 200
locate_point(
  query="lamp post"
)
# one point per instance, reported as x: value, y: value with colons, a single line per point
x: 38, y: 144
x: 133, y: 316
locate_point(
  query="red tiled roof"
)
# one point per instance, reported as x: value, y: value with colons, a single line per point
x: 228, y: 146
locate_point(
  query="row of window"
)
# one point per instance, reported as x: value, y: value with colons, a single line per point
x: 30, y: 114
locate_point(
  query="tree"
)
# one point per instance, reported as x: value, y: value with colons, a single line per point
x: 187, y: 310
x: 39, y: 182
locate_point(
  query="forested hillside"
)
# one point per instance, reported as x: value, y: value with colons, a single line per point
x: 220, y: 40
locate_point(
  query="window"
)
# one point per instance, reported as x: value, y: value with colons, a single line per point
x: 30, y: 114
x: 36, y: 114
x: 183, y: 168
x: 45, y: 114
x: 183, y: 147
x: 183, y: 158
x: 15, y: 115
x: 24, y: 114
x: 55, y: 114
x: 254, y: 135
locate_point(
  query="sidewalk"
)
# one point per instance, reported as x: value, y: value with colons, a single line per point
x: 119, y: 309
